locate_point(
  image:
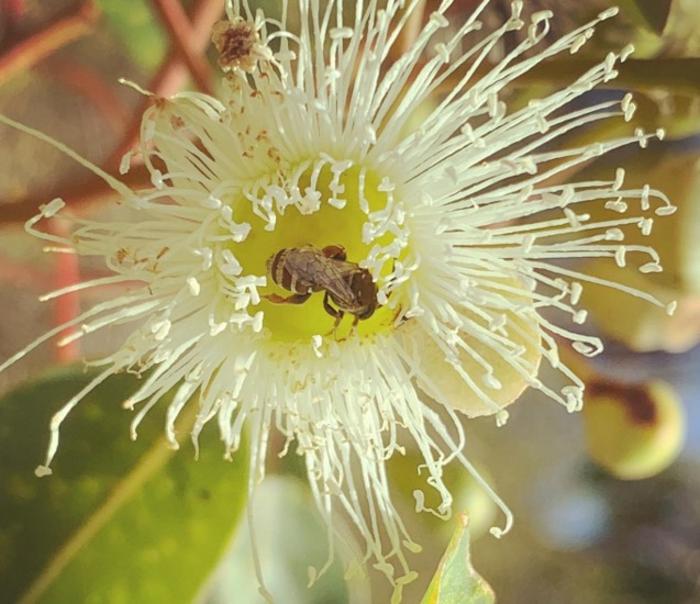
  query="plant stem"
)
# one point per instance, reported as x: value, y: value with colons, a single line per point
x: 31, y: 50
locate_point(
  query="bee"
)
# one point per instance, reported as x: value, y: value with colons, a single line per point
x: 307, y: 270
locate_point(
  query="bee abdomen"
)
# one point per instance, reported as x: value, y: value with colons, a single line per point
x: 282, y: 276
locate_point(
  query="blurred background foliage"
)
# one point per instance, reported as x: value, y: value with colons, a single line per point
x: 131, y: 522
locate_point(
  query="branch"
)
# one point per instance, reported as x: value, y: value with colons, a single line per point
x: 180, y: 32
x: 172, y: 74
x: 82, y: 193
x: 38, y: 46
x: 89, y: 83
x: 168, y: 80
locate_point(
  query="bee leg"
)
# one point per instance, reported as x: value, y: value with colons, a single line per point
x: 293, y: 299
x: 353, y: 329
x: 335, y: 252
x: 338, y: 314
x: 333, y: 312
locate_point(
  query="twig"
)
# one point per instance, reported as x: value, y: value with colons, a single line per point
x: 172, y: 73
x: 80, y: 194
x: 33, y: 49
x: 180, y: 31
x: 89, y: 84
x: 167, y: 81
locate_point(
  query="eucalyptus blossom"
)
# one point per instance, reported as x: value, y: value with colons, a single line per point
x: 461, y: 220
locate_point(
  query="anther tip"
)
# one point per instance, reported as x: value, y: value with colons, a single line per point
x: 42, y: 470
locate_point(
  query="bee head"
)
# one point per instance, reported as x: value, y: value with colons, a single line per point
x: 366, y: 290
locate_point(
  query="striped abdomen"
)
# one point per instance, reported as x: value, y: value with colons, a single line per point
x: 294, y: 270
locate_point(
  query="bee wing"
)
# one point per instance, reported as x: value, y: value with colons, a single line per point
x: 332, y: 277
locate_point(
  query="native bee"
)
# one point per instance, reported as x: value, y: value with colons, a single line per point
x: 307, y: 270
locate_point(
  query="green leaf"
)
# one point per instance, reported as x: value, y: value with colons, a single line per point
x: 655, y: 13
x: 118, y: 521
x: 456, y: 581
x: 136, y: 28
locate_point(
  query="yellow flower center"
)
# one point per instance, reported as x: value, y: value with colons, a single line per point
x: 327, y: 226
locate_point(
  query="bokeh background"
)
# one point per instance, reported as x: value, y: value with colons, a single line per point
x: 584, y: 532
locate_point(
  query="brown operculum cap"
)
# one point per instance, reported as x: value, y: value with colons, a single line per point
x: 635, y: 399
x: 235, y: 42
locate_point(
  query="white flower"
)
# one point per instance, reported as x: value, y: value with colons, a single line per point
x: 459, y: 222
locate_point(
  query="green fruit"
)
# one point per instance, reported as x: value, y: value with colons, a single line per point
x: 633, y: 431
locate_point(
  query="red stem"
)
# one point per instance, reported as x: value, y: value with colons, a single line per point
x: 180, y: 32
x: 13, y: 9
x: 82, y: 192
x: 172, y: 74
x: 36, y: 47
x: 89, y: 83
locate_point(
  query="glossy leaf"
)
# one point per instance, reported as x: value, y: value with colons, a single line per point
x: 655, y: 12
x: 118, y: 521
x: 456, y: 581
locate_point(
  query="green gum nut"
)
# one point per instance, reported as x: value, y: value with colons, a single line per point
x: 633, y: 431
